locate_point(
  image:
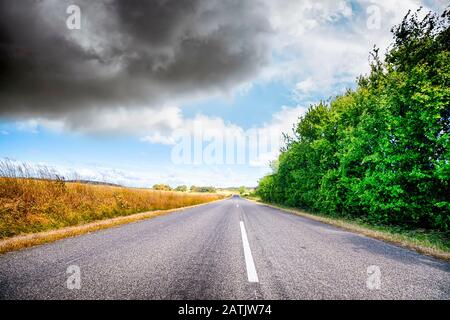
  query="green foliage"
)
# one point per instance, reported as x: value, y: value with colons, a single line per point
x: 203, y: 189
x: 163, y: 187
x: 181, y: 188
x: 382, y: 151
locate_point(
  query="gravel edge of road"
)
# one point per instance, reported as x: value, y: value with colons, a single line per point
x: 34, y: 239
x: 375, y: 234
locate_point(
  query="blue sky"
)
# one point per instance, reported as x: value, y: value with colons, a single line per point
x: 313, y: 51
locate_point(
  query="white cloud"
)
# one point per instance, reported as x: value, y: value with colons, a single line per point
x: 325, y: 45
x: 30, y: 126
x: 306, y: 85
x: 261, y: 143
x: 119, y: 121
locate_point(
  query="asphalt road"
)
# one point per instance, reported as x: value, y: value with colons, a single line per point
x: 231, y: 249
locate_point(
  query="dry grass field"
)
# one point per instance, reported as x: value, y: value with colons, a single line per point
x: 40, y: 201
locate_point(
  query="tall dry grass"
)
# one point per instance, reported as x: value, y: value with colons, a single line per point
x: 34, y: 200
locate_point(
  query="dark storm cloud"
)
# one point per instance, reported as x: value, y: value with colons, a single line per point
x: 128, y: 53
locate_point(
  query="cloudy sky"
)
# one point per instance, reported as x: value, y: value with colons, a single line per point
x: 118, y: 98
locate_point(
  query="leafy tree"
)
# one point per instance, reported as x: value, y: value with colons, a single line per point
x: 206, y: 189
x: 163, y: 187
x: 181, y: 188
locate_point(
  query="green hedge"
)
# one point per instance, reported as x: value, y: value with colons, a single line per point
x: 382, y: 151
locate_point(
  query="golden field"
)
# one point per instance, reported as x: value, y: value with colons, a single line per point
x: 29, y: 205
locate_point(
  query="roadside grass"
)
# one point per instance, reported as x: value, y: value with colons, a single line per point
x: 33, y: 202
x: 429, y: 242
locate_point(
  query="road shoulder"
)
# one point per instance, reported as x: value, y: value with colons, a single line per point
x: 397, y: 239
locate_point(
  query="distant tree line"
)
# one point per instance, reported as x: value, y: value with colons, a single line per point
x: 163, y: 187
x: 380, y: 152
x: 203, y: 189
x: 183, y: 188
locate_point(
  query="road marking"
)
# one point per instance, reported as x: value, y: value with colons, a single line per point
x: 251, y: 270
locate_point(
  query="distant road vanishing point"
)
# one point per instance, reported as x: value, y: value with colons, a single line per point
x: 230, y: 249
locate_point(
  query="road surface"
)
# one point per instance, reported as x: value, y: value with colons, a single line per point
x: 231, y: 249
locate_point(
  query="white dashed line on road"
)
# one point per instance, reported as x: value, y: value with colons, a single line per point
x: 250, y: 264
